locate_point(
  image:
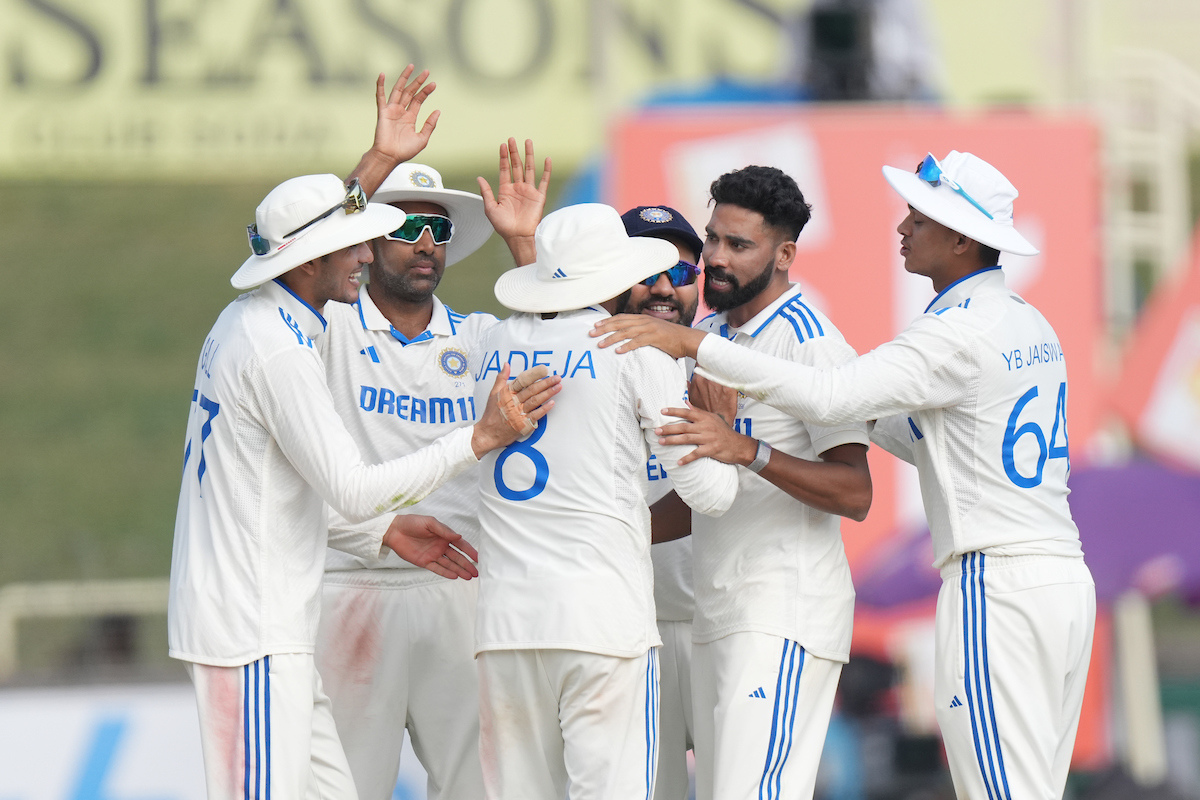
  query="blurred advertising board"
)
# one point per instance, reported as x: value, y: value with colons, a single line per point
x: 223, y: 88
x: 116, y: 743
x: 848, y: 259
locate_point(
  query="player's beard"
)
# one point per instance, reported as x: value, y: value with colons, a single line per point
x: 402, y: 286
x: 738, y: 294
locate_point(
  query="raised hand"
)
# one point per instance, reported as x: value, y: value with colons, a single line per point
x: 632, y: 331
x: 711, y: 435
x: 397, y: 138
x: 516, y: 208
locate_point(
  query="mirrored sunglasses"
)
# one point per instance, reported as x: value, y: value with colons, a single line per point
x: 930, y: 171
x: 684, y: 273
x: 356, y: 200
x: 440, y: 228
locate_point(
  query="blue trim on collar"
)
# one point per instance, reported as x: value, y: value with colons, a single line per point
x: 956, y: 283
x: 358, y: 304
x: 404, y: 340
x: 302, y: 302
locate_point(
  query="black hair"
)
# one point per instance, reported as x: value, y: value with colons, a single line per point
x: 988, y: 256
x: 768, y: 191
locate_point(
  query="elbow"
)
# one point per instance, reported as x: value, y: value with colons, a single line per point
x: 858, y: 503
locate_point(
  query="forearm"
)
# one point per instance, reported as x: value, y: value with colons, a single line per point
x: 670, y: 519
x: 835, y: 487
x: 371, y: 171
x: 523, y: 249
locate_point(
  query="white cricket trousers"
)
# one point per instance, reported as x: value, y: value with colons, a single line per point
x: 396, y: 656
x: 565, y: 723
x: 761, y: 707
x: 266, y: 730
x: 1014, y: 638
x: 674, y: 709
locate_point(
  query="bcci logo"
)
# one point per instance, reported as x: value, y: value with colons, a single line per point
x: 422, y: 180
x: 659, y: 215
x: 453, y: 362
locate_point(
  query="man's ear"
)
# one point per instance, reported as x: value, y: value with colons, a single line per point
x: 785, y: 254
x: 962, y: 244
x: 308, y: 267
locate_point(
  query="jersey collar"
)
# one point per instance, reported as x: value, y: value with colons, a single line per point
x: 308, y: 318
x: 964, y: 287
x: 755, y: 324
x: 372, y: 319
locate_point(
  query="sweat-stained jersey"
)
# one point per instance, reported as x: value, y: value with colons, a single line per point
x: 265, y: 451
x: 396, y: 396
x: 565, y: 554
x: 773, y: 564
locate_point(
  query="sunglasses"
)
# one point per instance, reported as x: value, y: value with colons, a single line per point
x: 440, y: 228
x: 930, y: 171
x: 684, y: 273
x: 356, y: 200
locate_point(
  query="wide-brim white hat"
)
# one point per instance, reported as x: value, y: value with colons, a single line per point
x: 941, y: 203
x: 412, y: 181
x: 584, y: 257
x: 293, y: 203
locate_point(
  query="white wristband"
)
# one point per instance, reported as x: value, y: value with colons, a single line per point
x: 760, y: 458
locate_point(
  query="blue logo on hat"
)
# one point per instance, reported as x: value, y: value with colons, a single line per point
x: 422, y: 180
x: 658, y: 215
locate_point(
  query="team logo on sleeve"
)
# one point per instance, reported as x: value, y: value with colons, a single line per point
x: 658, y: 215
x: 421, y: 179
x: 453, y: 362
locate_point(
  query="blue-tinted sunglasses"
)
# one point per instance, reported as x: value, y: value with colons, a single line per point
x: 684, y: 273
x: 440, y: 228
x: 930, y: 171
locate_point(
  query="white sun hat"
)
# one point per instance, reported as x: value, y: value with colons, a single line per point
x: 413, y: 181
x: 584, y: 257
x: 967, y: 195
x: 290, y: 226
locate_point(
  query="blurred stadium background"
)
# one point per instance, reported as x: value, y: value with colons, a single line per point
x: 137, y: 136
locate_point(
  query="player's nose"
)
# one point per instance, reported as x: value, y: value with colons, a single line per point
x: 663, y: 286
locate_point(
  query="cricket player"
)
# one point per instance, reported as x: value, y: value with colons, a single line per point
x: 265, y: 451
x: 672, y: 295
x: 565, y: 634
x: 974, y: 393
x: 395, y: 647
x: 774, y: 599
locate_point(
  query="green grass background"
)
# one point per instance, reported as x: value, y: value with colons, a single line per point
x: 109, y: 290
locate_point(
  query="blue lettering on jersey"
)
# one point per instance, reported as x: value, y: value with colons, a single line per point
x: 654, y: 470
x: 208, y: 355
x: 520, y: 361
x: 1044, y: 353
x: 434, y: 410
x: 744, y: 425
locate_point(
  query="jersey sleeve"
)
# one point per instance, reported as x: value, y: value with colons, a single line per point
x: 894, y: 435
x: 360, y: 539
x: 297, y: 409
x: 829, y: 353
x: 932, y: 364
x: 708, y: 486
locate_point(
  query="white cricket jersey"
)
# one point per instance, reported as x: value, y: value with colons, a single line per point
x: 565, y: 553
x: 773, y: 564
x: 974, y: 392
x: 674, y: 600
x: 265, y: 451
x: 396, y: 396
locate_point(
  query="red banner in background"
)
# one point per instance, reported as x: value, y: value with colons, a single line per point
x: 848, y: 259
x: 1158, y: 393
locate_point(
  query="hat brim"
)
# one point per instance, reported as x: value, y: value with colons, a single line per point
x: 522, y: 289
x: 955, y: 212
x: 471, y: 225
x: 327, y: 236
